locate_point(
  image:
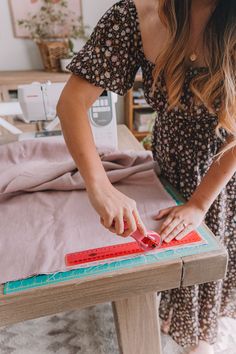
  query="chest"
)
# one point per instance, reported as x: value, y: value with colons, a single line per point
x: 155, y: 35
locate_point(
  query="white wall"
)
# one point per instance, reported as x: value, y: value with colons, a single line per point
x: 22, y: 54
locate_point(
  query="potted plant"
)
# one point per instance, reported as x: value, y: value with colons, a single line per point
x: 147, y: 141
x: 53, y: 27
x: 66, y: 59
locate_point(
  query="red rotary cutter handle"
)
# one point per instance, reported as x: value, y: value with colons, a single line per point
x: 149, y: 242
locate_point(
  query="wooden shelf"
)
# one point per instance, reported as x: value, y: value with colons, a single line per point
x: 26, y: 77
x: 139, y: 106
x: 130, y: 108
x: 140, y: 134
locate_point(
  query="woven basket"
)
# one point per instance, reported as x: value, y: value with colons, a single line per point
x: 52, y: 52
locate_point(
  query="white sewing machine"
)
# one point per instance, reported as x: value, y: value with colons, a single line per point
x: 37, y: 102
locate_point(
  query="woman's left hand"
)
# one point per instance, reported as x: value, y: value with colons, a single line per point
x: 180, y: 221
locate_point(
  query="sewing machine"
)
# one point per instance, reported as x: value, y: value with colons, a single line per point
x: 37, y: 102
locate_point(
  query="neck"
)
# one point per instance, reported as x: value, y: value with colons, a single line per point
x: 201, y: 11
x: 204, y: 3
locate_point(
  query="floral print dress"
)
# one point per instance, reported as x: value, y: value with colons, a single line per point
x: 184, y: 144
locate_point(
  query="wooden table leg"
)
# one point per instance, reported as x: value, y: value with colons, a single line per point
x: 137, y: 324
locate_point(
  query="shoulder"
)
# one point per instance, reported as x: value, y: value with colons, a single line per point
x: 120, y: 22
x: 122, y: 10
x: 146, y: 6
x: 147, y: 12
x: 136, y: 8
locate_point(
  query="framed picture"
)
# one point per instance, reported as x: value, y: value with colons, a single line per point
x: 22, y: 9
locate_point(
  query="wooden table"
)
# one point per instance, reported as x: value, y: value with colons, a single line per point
x: 133, y: 292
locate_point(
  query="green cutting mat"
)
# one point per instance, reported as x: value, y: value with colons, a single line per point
x: 50, y: 279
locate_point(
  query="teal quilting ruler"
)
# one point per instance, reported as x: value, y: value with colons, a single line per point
x: 50, y: 279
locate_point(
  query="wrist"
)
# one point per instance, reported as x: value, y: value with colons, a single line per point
x: 98, y: 182
x: 199, y: 203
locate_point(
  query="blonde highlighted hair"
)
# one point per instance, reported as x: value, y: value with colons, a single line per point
x: 218, y: 84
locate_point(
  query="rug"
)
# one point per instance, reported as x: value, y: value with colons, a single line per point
x: 88, y: 331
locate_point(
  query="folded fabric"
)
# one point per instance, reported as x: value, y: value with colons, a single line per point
x: 31, y: 167
x: 45, y: 212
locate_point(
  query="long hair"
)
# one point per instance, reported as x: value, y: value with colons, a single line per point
x: 216, y: 85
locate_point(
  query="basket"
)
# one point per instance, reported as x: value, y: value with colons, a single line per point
x: 52, y: 52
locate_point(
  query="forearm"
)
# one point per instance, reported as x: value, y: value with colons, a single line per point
x: 79, y: 139
x: 219, y: 174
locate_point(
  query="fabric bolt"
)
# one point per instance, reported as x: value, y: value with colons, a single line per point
x: 184, y: 144
x: 45, y: 212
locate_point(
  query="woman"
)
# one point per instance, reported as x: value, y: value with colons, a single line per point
x: 187, y: 52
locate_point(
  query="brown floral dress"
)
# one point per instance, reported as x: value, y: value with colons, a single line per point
x: 184, y: 144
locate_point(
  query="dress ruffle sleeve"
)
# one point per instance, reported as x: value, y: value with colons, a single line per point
x: 111, y: 57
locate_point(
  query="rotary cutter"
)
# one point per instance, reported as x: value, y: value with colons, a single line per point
x: 149, y: 242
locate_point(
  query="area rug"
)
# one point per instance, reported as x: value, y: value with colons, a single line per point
x: 88, y: 331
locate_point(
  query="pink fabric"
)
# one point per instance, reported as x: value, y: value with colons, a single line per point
x: 45, y: 212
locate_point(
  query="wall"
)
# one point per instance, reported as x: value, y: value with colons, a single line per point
x: 21, y: 54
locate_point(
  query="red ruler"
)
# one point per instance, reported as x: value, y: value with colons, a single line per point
x: 125, y: 249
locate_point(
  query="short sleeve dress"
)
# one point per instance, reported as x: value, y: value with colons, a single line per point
x: 184, y: 144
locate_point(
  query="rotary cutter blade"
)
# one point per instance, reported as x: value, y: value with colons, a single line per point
x: 149, y: 242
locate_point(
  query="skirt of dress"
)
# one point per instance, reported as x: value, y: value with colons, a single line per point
x: 194, y: 310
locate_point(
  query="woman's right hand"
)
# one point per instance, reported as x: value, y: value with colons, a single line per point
x: 114, y: 207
